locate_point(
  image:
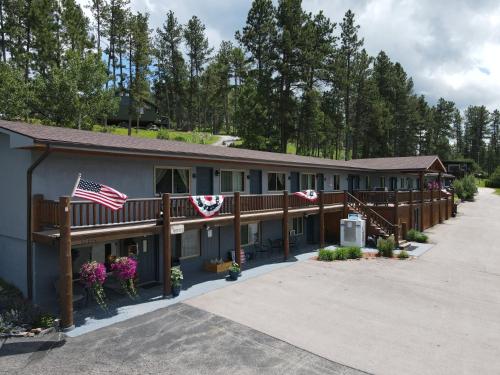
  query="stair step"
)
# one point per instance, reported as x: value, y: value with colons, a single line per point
x: 404, y: 244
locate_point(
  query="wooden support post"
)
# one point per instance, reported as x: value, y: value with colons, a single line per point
x: 321, y: 219
x: 410, y: 219
x: 440, y: 196
x: 422, y: 203
x: 65, y: 264
x: 286, y: 241
x: 346, y: 207
x: 396, y: 208
x: 432, y: 207
x: 447, y: 207
x: 237, y: 228
x: 167, y: 246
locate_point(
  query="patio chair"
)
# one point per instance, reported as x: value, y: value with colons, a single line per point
x: 261, y: 249
x: 276, y: 244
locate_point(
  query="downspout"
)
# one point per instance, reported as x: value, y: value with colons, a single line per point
x: 29, y: 241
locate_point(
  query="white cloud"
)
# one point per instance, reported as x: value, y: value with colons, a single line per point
x: 446, y: 46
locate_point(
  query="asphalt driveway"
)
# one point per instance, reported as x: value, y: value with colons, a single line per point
x: 439, y: 314
x: 179, y: 339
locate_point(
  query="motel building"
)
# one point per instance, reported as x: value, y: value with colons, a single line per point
x: 46, y: 235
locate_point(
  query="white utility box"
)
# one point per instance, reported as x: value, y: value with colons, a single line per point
x: 353, y: 231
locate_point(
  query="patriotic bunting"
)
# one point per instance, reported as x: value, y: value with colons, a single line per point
x: 207, y: 205
x: 309, y: 195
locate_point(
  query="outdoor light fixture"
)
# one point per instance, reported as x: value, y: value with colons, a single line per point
x: 194, y: 175
x: 217, y: 172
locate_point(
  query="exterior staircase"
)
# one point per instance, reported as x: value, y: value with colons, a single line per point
x: 376, y: 223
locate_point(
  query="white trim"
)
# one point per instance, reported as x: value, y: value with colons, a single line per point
x: 232, y: 170
x: 189, y: 169
x: 267, y: 185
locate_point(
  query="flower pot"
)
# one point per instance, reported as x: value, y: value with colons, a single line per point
x: 176, y: 290
x: 233, y: 275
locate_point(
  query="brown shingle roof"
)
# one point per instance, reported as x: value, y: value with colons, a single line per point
x: 409, y: 163
x: 72, y: 138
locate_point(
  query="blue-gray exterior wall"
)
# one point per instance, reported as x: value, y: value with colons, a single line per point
x: 13, y: 166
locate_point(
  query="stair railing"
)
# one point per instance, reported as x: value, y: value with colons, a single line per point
x: 373, y: 216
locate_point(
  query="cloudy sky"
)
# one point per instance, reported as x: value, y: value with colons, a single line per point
x: 451, y: 48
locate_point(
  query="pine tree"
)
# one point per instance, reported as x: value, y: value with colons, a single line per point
x: 199, y: 54
x: 171, y: 71
x: 350, y: 45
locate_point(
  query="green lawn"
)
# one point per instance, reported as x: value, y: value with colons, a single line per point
x: 174, y: 135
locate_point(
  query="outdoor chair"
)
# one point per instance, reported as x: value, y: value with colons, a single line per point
x: 276, y: 244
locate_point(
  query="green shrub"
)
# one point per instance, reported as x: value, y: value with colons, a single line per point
x: 340, y: 253
x: 325, y: 255
x: 386, y: 247
x: 354, y: 252
x: 465, y: 188
x: 494, y: 180
x: 415, y: 235
x: 44, y: 321
x: 163, y: 134
x: 403, y: 254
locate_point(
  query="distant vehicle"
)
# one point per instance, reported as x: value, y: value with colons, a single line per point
x: 153, y: 127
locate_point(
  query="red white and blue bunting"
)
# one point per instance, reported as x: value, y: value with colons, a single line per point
x: 207, y: 205
x: 309, y: 195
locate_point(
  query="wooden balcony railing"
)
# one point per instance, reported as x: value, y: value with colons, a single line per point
x: 89, y: 214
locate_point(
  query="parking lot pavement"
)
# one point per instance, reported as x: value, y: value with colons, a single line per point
x: 179, y: 339
x: 438, y: 314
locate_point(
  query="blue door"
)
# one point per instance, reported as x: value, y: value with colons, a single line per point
x: 204, y: 181
x: 294, y: 182
x: 255, y: 181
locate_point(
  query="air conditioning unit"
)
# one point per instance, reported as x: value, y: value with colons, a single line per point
x: 352, y: 232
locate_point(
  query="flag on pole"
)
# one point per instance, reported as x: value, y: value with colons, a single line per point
x: 98, y: 193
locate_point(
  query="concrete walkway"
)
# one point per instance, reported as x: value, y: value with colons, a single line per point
x: 438, y: 314
x: 94, y: 318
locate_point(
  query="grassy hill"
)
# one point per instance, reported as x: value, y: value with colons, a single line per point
x: 174, y: 135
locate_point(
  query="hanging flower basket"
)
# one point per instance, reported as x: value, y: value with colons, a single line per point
x: 124, y: 269
x: 93, y: 275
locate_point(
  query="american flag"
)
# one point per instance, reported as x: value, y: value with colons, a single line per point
x: 101, y: 194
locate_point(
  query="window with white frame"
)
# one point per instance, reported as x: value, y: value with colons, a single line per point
x: 276, y: 181
x: 307, y: 181
x: 402, y: 183
x: 172, y: 180
x: 336, y: 182
x: 232, y: 181
x: 249, y: 234
x: 409, y: 183
x: 296, y: 225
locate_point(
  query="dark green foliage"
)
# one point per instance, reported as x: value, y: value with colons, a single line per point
x: 415, y: 235
x: 403, y: 254
x: 326, y: 255
x: 386, y: 247
x: 465, y: 188
x: 494, y: 180
x: 354, y: 252
x: 15, y: 310
x: 340, y: 253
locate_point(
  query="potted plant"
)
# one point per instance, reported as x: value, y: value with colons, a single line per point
x: 234, y: 271
x: 176, y: 278
x: 93, y: 275
x: 124, y: 269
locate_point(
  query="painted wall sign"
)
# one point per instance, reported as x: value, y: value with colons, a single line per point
x: 177, y: 229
